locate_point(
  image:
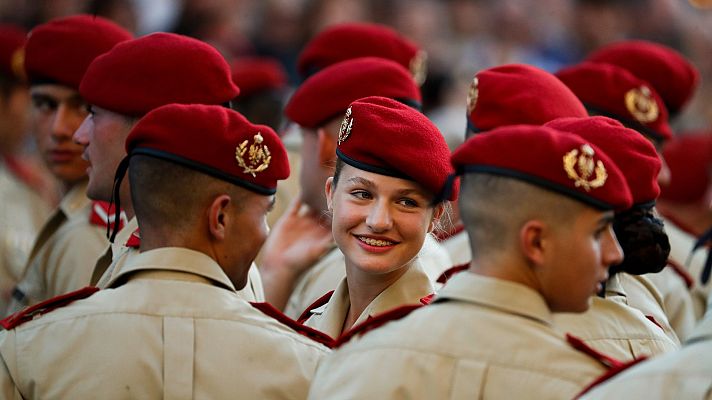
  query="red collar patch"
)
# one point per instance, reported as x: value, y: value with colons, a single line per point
x: 103, y: 215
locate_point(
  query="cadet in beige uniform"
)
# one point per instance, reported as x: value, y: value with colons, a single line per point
x: 489, y: 333
x: 171, y: 322
x: 296, y: 264
x: 56, y: 57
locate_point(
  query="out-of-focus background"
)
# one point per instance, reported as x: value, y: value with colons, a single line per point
x: 460, y: 36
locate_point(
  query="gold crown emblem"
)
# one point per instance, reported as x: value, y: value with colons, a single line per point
x: 472, y: 95
x: 346, y: 125
x: 419, y: 67
x: 583, y: 170
x: 258, y: 156
x: 641, y: 104
x: 17, y: 63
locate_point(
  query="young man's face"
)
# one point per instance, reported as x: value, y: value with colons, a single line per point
x: 57, y: 111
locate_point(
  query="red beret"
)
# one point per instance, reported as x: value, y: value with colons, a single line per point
x: 256, y: 74
x: 634, y: 155
x: 668, y: 71
x: 689, y: 158
x: 12, y: 38
x: 353, y: 40
x: 518, y: 94
x: 547, y: 158
x: 329, y: 92
x: 614, y: 92
x: 61, y: 50
x: 383, y: 136
x: 214, y: 140
x: 172, y: 69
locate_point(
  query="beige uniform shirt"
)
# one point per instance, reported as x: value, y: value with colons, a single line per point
x: 677, y: 299
x: 681, y: 244
x: 119, y: 253
x: 616, y: 330
x: 458, y: 247
x: 173, y: 329
x: 64, y: 253
x: 684, y: 374
x: 326, y: 274
x: 22, y: 213
x: 408, y: 289
x: 482, y: 338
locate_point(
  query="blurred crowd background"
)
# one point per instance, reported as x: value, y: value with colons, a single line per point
x: 460, y: 36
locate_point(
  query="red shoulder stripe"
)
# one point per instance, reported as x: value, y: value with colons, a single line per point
x: 104, y: 215
x: 427, y: 299
x: 450, y: 272
x: 580, y: 345
x: 376, y: 321
x: 311, y: 333
x: 682, y: 272
x: 318, y: 303
x: 610, y: 374
x: 46, y: 306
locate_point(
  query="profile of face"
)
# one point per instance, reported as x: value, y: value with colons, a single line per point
x: 378, y: 222
x: 102, y: 134
x: 576, y: 258
x: 57, y: 111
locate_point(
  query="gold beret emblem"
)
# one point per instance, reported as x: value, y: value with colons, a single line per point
x: 258, y: 156
x: 419, y: 67
x: 472, y: 96
x: 583, y: 170
x: 641, y: 104
x: 17, y: 63
x: 346, y: 125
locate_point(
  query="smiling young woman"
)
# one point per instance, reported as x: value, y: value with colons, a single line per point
x: 383, y: 203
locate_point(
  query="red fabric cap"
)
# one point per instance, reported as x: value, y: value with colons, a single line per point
x: 689, y: 158
x: 548, y: 158
x: 256, y: 74
x: 329, y: 92
x: 614, y: 92
x: 518, y: 94
x: 353, y: 40
x: 668, y: 71
x: 172, y: 69
x: 214, y: 140
x: 386, y: 137
x: 61, y: 50
x: 12, y: 38
x: 634, y: 155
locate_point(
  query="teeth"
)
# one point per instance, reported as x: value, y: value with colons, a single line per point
x: 375, y: 242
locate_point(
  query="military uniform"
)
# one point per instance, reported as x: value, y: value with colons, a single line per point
x: 22, y: 213
x: 458, y: 247
x: 677, y: 298
x: 410, y: 288
x: 188, y: 334
x: 65, y: 251
x: 481, y: 338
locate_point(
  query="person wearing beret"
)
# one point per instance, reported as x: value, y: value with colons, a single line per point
x: 383, y: 205
x: 171, y: 324
x: 610, y: 325
x: 57, y: 55
x: 299, y: 262
x: 538, y: 206
x: 22, y: 208
x: 120, y: 91
x: 612, y: 91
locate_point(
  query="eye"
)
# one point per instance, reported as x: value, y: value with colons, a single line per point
x: 44, y: 104
x: 408, y: 202
x: 361, y: 194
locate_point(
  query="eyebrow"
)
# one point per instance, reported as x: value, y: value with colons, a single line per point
x: 606, y: 219
x: 362, y: 181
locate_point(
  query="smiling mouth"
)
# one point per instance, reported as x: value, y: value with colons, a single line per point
x: 376, y: 242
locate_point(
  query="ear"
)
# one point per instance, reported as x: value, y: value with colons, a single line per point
x: 438, y: 212
x: 532, y: 241
x: 329, y: 191
x: 326, y: 143
x: 218, y: 218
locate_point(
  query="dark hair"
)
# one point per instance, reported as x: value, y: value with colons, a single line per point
x: 643, y: 239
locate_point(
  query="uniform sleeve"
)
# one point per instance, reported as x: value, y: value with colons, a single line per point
x: 8, y: 367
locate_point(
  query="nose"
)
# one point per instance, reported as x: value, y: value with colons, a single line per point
x: 379, y: 217
x: 611, y: 251
x: 64, y: 123
x: 81, y: 136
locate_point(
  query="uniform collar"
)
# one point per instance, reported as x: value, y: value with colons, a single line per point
x: 174, y: 259
x: 75, y: 199
x: 614, y: 287
x: 408, y: 289
x: 123, y: 235
x: 499, y: 294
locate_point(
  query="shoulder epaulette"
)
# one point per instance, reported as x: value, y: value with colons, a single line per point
x: 450, y: 272
x: 580, y: 345
x: 318, y: 303
x: 46, y: 306
x: 102, y: 214
x: 134, y: 240
x: 377, y: 321
x: 681, y: 272
x: 442, y: 236
x: 311, y: 333
x: 613, y: 371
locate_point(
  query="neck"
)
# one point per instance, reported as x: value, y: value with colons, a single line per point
x: 364, y: 287
x: 507, y: 270
x: 693, y: 218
